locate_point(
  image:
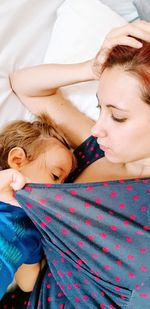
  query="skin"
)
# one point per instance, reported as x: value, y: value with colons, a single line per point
x: 123, y: 117
x: 52, y: 166
x: 122, y: 130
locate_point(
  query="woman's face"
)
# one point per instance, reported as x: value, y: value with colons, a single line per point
x: 123, y: 127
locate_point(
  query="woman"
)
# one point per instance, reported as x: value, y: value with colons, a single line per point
x: 96, y: 236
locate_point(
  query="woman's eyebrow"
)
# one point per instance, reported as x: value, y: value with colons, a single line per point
x: 111, y: 105
x: 114, y: 106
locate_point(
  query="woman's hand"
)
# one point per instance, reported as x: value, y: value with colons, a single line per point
x: 125, y: 35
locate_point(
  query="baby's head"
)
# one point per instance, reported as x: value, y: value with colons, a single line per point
x: 37, y: 149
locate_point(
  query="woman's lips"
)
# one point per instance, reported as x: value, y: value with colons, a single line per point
x: 104, y: 148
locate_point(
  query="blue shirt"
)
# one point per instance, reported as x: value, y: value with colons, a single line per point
x: 19, y: 243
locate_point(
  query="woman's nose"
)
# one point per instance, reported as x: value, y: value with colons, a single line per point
x: 98, y: 130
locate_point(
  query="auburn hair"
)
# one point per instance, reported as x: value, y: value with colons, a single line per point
x: 133, y: 60
x: 32, y: 137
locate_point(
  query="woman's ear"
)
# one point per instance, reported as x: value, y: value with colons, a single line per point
x: 17, y: 157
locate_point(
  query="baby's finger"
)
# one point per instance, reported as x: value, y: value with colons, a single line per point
x: 18, y: 181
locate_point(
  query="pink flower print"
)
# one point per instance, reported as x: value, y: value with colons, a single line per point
x: 87, y: 222
x: 135, y: 197
x: 73, y: 192
x: 128, y: 239
x: 98, y: 201
x: 143, y: 268
x: 87, y: 205
x: 104, y: 249
x: 119, y: 262
x: 113, y: 227
x: 118, y: 246
x: 29, y: 205
x: 143, y: 208
x: 84, y: 297
x: 131, y: 257
x: 143, y: 250
x: 58, y: 197
x: 47, y: 218
x: 117, y: 278
x: 64, y: 231
x: 122, y: 206
x: 113, y: 194
x: 130, y: 275
x: 129, y: 187
x: 89, y: 188
x: 42, y: 224
x: 72, y: 209
x: 28, y: 188
x: 90, y: 237
x: 103, y: 235
x: 80, y: 243
x: 143, y: 295
x: 42, y: 202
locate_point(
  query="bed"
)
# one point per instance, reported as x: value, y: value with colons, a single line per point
x: 32, y: 32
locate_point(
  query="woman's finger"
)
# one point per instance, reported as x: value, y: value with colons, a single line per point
x: 139, y: 30
x: 121, y: 40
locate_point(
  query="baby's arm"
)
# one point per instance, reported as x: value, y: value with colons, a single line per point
x: 26, y: 276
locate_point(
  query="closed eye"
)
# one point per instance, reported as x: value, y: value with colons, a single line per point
x: 118, y: 119
x: 55, y: 177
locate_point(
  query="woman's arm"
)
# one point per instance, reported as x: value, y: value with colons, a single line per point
x: 43, y: 80
x: 37, y: 85
x: 36, y: 88
x: 26, y: 276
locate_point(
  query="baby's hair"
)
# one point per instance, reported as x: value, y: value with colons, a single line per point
x: 32, y: 137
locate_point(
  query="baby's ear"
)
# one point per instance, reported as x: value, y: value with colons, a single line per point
x: 16, y: 157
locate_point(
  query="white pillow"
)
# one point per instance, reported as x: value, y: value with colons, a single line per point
x: 79, y: 30
x: 78, y: 33
x: 124, y: 8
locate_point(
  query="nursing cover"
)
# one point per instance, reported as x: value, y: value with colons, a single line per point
x: 96, y: 237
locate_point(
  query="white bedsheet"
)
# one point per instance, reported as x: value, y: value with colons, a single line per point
x: 25, y: 30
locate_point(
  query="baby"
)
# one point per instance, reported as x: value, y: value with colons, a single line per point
x: 34, y: 152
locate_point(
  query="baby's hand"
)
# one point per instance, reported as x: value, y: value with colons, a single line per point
x: 10, y: 181
x: 11, y: 178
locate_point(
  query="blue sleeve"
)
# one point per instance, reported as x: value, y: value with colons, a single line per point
x: 33, y: 244
x: 36, y: 255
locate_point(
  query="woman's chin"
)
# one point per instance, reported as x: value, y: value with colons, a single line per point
x: 112, y: 157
